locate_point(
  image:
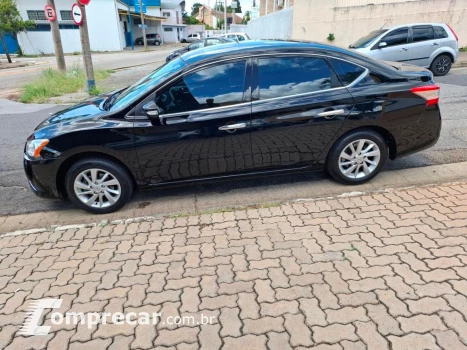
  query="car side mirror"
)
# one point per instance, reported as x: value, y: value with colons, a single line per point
x: 152, y: 110
x: 382, y: 44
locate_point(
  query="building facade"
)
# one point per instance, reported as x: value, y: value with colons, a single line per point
x: 109, y: 24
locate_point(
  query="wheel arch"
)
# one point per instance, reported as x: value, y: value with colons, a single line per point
x: 66, y: 165
x: 447, y: 53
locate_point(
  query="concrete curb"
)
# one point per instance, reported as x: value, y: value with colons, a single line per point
x: 237, y: 200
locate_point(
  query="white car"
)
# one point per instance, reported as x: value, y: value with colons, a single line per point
x: 192, y: 37
x: 430, y: 45
x: 236, y: 36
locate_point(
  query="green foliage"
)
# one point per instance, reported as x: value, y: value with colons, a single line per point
x: 220, y: 24
x: 10, y: 18
x: 247, y: 17
x: 195, y: 8
x: 189, y: 19
x: 53, y: 83
x: 463, y: 49
x: 331, y: 37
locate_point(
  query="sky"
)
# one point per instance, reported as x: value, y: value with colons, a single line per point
x: 246, y: 4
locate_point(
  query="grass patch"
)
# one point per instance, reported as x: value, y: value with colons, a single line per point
x: 463, y: 49
x: 52, y: 83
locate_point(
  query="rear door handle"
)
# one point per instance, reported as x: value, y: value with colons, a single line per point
x: 403, y: 49
x: 233, y: 126
x: 435, y: 44
x: 331, y: 114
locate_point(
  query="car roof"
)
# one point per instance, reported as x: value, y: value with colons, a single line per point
x: 253, y: 47
x: 414, y: 24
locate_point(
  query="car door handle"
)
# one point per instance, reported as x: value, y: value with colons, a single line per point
x: 331, y: 114
x: 233, y: 126
x: 435, y: 44
x: 403, y: 49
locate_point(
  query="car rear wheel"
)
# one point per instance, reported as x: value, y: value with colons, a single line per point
x: 441, y: 65
x: 98, y: 185
x: 139, y: 42
x: 357, y: 157
x: 183, y: 40
x: 157, y: 42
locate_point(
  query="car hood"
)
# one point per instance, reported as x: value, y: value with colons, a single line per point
x: 85, y: 110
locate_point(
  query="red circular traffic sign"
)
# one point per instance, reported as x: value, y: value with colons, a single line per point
x: 77, y: 14
x: 50, y: 13
x: 84, y: 2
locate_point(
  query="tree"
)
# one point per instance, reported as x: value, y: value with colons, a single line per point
x: 247, y: 17
x: 195, y: 8
x: 187, y: 19
x: 11, y: 22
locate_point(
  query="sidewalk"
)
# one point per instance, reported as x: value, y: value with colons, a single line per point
x: 379, y: 270
x: 461, y: 60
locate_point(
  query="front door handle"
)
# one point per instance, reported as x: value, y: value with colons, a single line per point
x: 332, y: 113
x: 403, y: 49
x: 435, y: 44
x: 233, y: 126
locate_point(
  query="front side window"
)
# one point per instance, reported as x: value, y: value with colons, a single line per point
x: 286, y: 76
x: 367, y: 39
x: 346, y: 71
x: 240, y: 38
x: 441, y: 33
x: 217, y: 86
x: 423, y: 34
x: 397, y: 37
x: 196, y: 45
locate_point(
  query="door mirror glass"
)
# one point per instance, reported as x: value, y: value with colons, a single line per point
x: 151, y: 110
x: 382, y: 44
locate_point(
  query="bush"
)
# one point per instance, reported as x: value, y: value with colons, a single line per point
x: 331, y: 37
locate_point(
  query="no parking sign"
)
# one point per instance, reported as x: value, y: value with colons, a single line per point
x: 77, y: 14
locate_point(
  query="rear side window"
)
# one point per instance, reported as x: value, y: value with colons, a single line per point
x: 397, y: 37
x: 346, y: 71
x: 440, y: 32
x: 423, y: 34
x: 286, y: 76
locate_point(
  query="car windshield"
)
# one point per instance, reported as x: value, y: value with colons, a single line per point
x: 148, y: 83
x: 367, y: 39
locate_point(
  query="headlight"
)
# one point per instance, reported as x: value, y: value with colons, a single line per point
x: 35, y: 147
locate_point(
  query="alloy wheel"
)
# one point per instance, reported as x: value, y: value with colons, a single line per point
x: 442, y: 66
x: 359, y: 159
x: 97, y: 188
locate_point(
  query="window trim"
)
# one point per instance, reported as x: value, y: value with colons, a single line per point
x: 409, y: 38
x: 254, y: 71
x: 435, y: 36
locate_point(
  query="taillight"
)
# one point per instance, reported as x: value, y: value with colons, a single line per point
x: 430, y: 93
x: 453, y: 32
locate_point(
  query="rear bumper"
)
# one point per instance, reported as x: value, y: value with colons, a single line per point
x: 41, y: 176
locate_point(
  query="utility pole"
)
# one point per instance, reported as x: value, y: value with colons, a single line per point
x: 57, y: 40
x: 142, y: 23
x: 225, y: 16
x: 86, y: 48
x: 130, y: 21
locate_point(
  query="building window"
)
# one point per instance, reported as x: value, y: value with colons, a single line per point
x: 66, y: 15
x: 36, y: 15
x: 168, y: 29
x: 166, y: 14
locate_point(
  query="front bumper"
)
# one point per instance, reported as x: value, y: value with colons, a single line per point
x: 41, y: 175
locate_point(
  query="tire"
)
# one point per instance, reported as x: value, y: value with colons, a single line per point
x: 157, y: 42
x: 119, y: 189
x: 183, y: 40
x: 337, y: 164
x: 441, y: 65
x: 139, y: 42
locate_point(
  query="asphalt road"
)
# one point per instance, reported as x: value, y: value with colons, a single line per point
x: 18, y: 121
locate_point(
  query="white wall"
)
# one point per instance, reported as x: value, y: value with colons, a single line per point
x: 277, y: 25
x: 35, y: 43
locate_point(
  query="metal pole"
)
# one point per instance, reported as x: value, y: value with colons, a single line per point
x: 57, y: 40
x: 130, y: 21
x: 142, y: 23
x: 225, y: 16
x: 86, y: 47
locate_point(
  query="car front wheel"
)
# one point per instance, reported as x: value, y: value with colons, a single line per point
x: 357, y: 157
x: 98, y: 185
x: 441, y: 65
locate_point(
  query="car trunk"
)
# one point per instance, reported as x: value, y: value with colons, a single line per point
x: 412, y: 72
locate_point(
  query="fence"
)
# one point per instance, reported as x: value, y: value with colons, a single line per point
x: 277, y: 25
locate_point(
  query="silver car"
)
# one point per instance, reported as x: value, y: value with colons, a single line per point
x: 192, y: 37
x: 430, y: 45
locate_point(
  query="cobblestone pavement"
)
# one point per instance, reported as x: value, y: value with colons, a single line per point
x: 378, y: 271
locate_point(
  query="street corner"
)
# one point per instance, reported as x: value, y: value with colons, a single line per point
x: 382, y: 270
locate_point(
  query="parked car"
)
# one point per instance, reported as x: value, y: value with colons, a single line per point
x: 235, y: 36
x: 151, y: 39
x: 192, y: 37
x: 232, y: 110
x: 430, y: 45
x: 198, y: 44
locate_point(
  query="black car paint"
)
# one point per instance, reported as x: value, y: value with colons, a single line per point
x: 185, y: 49
x: 195, y: 149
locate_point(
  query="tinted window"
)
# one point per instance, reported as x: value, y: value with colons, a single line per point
x: 397, y: 37
x: 441, y: 33
x: 240, y: 38
x: 422, y: 34
x: 217, y: 86
x: 287, y: 76
x: 346, y: 71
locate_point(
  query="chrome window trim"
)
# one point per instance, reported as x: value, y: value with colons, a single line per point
x: 355, y: 82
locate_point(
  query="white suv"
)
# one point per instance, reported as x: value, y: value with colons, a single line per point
x: 235, y: 36
x: 192, y: 37
x: 430, y: 45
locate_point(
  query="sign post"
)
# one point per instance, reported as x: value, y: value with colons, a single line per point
x: 130, y: 21
x: 85, y: 45
x: 51, y: 15
x: 142, y: 11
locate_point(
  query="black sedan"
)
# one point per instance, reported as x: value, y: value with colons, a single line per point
x: 198, y: 44
x: 233, y: 110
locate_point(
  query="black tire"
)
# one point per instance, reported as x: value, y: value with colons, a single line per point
x: 116, y: 170
x: 183, y: 41
x: 157, y: 42
x: 334, y: 156
x: 441, y: 65
x: 139, y: 42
